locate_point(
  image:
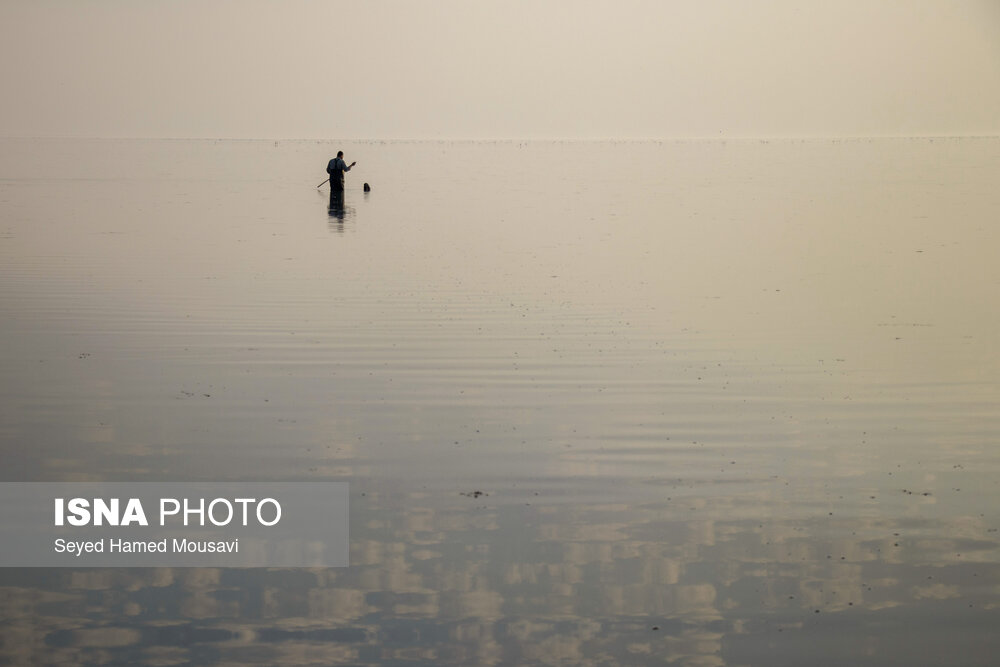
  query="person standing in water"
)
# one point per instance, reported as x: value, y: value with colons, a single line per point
x: 336, y: 168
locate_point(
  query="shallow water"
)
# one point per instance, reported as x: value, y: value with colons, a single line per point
x: 727, y: 403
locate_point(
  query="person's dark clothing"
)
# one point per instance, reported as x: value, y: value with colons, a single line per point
x: 336, y: 169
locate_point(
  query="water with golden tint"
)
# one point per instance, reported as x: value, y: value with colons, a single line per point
x: 690, y: 403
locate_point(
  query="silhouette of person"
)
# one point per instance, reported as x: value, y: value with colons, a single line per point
x: 336, y: 168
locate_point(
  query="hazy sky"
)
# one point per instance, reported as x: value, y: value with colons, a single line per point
x: 498, y: 68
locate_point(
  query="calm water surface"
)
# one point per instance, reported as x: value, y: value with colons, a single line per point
x: 725, y: 403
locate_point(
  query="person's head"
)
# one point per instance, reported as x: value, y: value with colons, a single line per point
x: 340, y: 153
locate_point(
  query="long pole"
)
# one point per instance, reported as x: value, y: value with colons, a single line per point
x: 321, y: 184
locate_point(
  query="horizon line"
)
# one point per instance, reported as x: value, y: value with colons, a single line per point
x: 511, y: 139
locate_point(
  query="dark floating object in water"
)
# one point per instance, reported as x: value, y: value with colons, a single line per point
x: 368, y: 188
x: 474, y: 494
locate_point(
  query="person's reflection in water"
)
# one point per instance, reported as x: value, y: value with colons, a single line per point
x: 337, y: 203
x: 338, y: 211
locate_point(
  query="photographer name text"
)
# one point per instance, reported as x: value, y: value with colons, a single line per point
x: 114, y: 545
